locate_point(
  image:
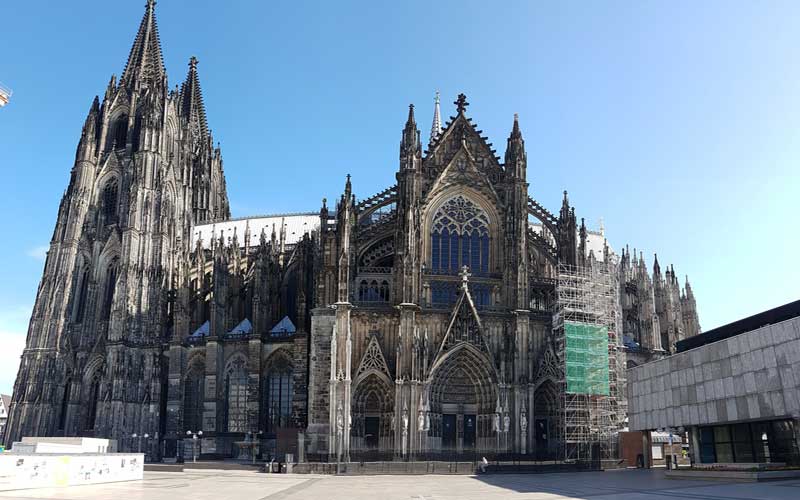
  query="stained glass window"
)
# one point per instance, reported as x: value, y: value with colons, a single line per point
x: 460, y: 237
x: 236, y: 396
x: 279, y: 396
x: 193, y: 401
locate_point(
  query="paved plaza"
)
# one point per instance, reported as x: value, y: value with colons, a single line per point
x: 222, y: 485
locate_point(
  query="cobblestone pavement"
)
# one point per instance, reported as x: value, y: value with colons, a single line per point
x: 223, y: 485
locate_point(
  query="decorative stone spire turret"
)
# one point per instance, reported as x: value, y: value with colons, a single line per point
x: 192, y: 106
x: 516, y: 159
x: 145, y: 62
x: 436, y: 127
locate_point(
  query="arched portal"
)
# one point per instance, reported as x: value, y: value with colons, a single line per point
x: 546, y: 424
x: 373, y: 407
x: 462, y: 398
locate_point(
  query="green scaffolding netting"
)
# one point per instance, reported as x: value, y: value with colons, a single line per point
x: 587, y: 358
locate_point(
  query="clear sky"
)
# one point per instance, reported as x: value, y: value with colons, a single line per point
x: 677, y: 122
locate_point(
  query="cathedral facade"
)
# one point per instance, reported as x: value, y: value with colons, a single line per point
x: 420, y: 320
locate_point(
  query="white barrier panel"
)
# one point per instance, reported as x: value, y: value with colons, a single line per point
x: 45, y: 470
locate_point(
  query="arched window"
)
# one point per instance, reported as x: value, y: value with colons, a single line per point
x: 460, y: 237
x: 279, y: 391
x: 236, y: 396
x: 62, y: 420
x: 111, y: 285
x: 83, y: 292
x: 110, y: 201
x: 120, y: 132
x: 94, y: 400
x: 373, y: 291
x: 193, y: 400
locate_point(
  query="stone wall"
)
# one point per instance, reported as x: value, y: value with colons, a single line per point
x: 755, y: 375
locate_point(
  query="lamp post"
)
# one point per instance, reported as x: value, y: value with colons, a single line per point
x: 251, y: 435
x: 146, y: 436
x: 194, y: 441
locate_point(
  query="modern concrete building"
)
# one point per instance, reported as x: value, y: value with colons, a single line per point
x: 735, y: 389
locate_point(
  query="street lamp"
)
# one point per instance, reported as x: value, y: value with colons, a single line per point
x: 145, y: 436
x: 194, y: 441
x: 251, y: 435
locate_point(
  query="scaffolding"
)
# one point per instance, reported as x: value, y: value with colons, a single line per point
x: 586, y: 328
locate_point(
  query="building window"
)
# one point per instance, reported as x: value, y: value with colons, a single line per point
x: 94, y: 401
x: 62, y: 420
x: 236, y: 396
x: 445, y: 293
x: 373, y: 291
x: 121, y: 132
x: 279, y: 388
x: 460, y: 237
x: 193, y: 401
x: 111, y: 285
x: 109, y: 201
x: 756, y: 442
x: 83, y: 292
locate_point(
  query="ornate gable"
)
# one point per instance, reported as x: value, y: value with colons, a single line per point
x: 373, y: 359
x: 465, y: 325
x: 460, y: 133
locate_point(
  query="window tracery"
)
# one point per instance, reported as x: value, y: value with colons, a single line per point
x: 460, y: 237
x: 236, y: 396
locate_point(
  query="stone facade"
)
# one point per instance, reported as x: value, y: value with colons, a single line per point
x: 415, y: 321
x: 750, y: 376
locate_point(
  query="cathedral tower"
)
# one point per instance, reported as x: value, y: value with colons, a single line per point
x: 145, y: 171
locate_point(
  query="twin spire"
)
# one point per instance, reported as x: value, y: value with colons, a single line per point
x: 145, y: 62
x: 145, y: 67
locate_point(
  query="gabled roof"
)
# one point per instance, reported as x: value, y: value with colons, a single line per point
x: 243, y: 328
x: 6, y: 399
x: 283, y: 327
x: 203, y: 331
x: 145, y: 61
x: 458, y: 126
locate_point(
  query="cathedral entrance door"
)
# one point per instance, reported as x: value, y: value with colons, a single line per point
x: 371, y: 432
x: 541, y: 436
x: 470, y: 423
x: 449, y: 431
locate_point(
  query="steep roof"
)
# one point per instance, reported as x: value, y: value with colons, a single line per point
x: 145, y: 61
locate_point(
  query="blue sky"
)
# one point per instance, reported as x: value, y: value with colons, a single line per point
x: 676, y: 122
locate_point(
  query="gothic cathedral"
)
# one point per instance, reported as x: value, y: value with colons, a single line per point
x: 425, y: 319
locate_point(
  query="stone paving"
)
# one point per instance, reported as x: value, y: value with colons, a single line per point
x: 218, y: 485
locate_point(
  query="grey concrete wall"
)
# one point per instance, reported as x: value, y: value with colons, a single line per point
x: 755, y: 375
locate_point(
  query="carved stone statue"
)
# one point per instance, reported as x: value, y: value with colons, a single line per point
x: 421, y: 421
x: 497, y: 422
x: 506, y: 422
x: 523, y: 423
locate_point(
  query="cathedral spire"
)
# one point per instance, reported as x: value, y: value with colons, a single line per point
x: 410, y: 145
x: 516, y: 161
x: 192, y: 106
x: 436, y: 127
x: 145, y: 62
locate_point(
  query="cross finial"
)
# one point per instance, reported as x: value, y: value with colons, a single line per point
x: 465, y: 274
x: 193, y: 62
x: 461, y: 103
x: 151, y: 4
